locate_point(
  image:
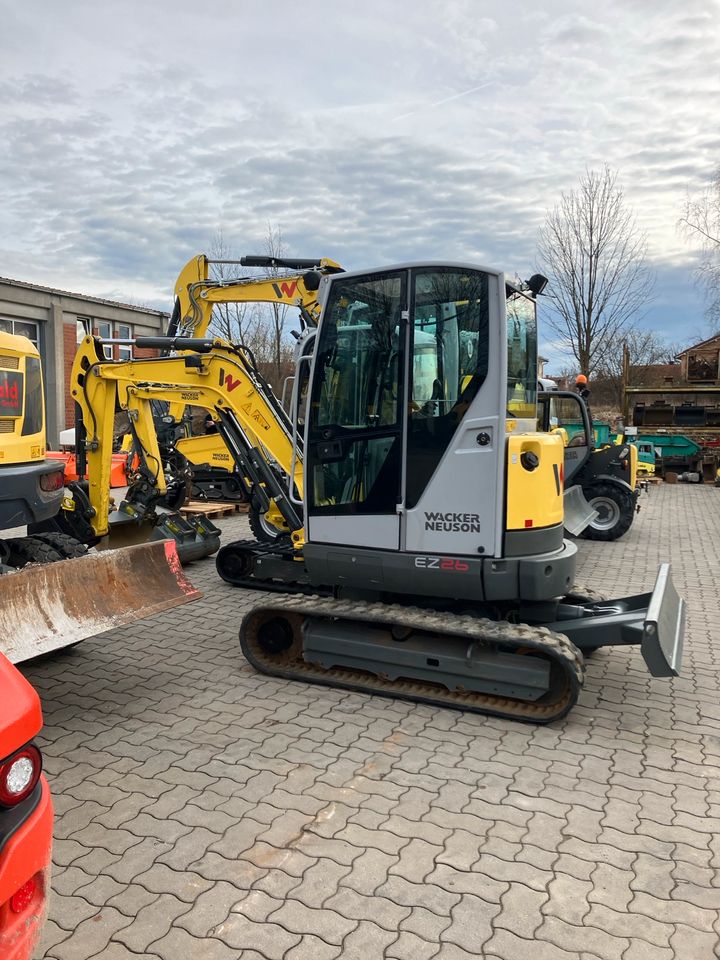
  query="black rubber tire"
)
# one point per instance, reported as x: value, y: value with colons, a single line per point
x: 68, y: 547
x: 263, y: 531
x: 25, y: 550
x: 621, y: 505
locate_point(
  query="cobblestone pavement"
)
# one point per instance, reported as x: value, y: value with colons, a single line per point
x: 204, y: 811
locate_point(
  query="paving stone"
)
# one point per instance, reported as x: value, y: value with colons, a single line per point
x: 506, y: 945
x: 299, y: 919
x: 652, y: 875
x: 705, y: 897
x: 631, y: 924
x: 611, y: 887
x: 320, y: 882
x: 101, y: 890
x: 383, y: 840
x: 578, y: 939
x: 609, y: 810
x: 91, y: 936
x: 474, y: 882
x: 426, y: 895
x: 335, y: 849
x: 425, y: 924
x: 179, y: 945
x: 693, y: 944
x: 352, y: 905
x: 69, y: 881
x: 521, y: 910
x: 167, y: 831
x: 152, y: 922
x: 411, y: 947
x: 184, y: 885
x: 472, y: 924
x: 74, y: 911
x: 210, y: 909
x: 367, y: 940
x: 313, y: 948
x: 369, y: 871
x: 642, y: 950
x: 116, y: 841
x: 67, y: 851
x: 675, y: 911
x: 417, y: 860
x: 136, y: 860
x: 241, y: 873
x: 51, y: 935
x: 189, y: 848
x: 130, y: 899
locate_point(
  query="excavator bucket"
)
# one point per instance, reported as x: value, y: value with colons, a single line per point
x: 49, y: 606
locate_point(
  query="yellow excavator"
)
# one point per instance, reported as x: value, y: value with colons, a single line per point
x: 53, y: 593
x: 196, y: 294
x: 425, y: 557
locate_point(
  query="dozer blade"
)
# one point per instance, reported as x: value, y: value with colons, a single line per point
x: 50, y: 606
x: 578, y: 512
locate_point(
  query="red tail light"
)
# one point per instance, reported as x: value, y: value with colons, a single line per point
x: 52, y: 481
x: 19, y: 775
x: 23, y: 897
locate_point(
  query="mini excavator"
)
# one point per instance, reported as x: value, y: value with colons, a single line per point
x: 426, y: 557
x: 196, y: 296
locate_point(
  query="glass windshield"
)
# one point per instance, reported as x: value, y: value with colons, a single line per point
x: 358, y: 383
x: 522, y: 356
x: 34, y: 412
x: 354, y: 429
x: 449, y: 364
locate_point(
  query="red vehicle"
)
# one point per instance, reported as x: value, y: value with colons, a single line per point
x: 26, y: 818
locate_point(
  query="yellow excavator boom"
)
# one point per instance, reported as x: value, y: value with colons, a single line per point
x: 219, y: 379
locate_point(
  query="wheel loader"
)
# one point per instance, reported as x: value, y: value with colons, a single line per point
x: 53, y: 593
x: 606, y: 476
x: 426, y: 558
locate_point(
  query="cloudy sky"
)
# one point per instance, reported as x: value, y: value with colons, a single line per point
x: 373, y: 132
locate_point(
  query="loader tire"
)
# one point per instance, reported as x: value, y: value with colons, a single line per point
x: 262, y: 529
x: 25, y: 550
x: 68, y: 547
x: 616, y: 509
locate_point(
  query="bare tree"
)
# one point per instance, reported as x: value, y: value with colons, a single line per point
x: 275, y: 247
x: 647, y: 349
x: 701, y: 222
x: 594, y: 256
x: 260, y: 327
x: 230, y: 320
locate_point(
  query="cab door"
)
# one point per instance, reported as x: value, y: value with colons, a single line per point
x: 354, y: 431
x: 454, y: 458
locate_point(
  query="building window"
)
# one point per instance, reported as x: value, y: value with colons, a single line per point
x: 124, y: 332
x: 104, y: 331
x: 21, y: 328
x: 83, y: 326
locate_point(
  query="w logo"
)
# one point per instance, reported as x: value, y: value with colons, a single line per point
x: 285, y: 289
x: 227, y: 380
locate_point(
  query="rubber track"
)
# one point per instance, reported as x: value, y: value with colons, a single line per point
x: 509, y: 637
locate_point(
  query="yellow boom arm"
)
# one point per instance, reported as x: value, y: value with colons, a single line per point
x: 219, y: 380
x: 197, y: 294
